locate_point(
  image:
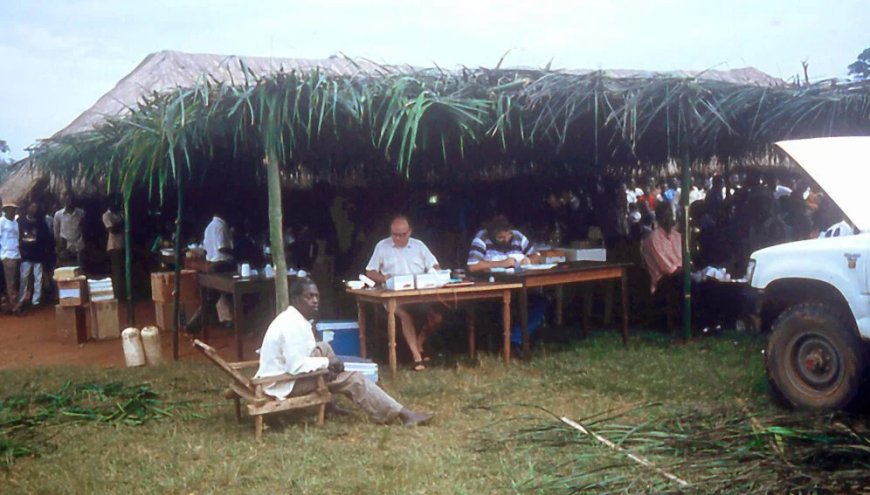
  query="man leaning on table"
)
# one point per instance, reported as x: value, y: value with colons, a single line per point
x: 401, y: 254
x: 218, y: 244
x: 289, y: 347
x: 501, y: 246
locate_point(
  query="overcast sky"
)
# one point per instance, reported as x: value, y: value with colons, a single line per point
x: 59, y: 57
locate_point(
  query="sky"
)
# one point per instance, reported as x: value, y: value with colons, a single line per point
x: 59, y: 57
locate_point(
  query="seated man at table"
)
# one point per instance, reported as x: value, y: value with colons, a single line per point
x: 662, y: 254
x: 289, y: 347
x: 501, y: 246
x: 401, y: 254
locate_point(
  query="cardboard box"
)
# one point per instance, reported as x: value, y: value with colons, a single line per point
x: 66, y: 272
x: 104, y: 322
x: 552, y: 256
x: 72, y: 292
x: 163, y: 313
x: 163, y: 283
x: 401, y: 282
x: 432, y: 280
x: 71, y: 324
x: 196, y: 264
x: 599, y: 254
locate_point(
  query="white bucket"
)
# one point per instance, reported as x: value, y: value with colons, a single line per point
x: 151, y: 344
x: 134, y: 354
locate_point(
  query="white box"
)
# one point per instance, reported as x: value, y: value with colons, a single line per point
x: 400, y: 282
x: 431, y: 280
x: 599, y: 254
x: 367, y: 367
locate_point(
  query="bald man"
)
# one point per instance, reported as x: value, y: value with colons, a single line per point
x: 401, y: 254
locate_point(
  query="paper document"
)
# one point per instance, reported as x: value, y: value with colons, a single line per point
x: 545, y: 266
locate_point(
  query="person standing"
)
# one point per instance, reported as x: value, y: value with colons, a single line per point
x: 218, y: 246
x: 10, y: 256
x: 36, y: 248
x: 70, y: 243
x: 401, y: 254
x: 114, y: 223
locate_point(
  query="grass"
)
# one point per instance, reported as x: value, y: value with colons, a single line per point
x: 474, y: 401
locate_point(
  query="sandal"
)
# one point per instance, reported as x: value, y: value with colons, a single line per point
x: 419, y: 366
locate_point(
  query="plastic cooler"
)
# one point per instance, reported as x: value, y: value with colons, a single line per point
x: 365, y: 366
x: 343, y: 336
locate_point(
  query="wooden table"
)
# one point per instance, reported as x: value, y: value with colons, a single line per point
x: 567, y: 273
x: 392, y: 299
x: 230, y: 283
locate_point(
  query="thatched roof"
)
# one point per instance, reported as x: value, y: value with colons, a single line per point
x: 167, y: 70
x: 170, y: 69
x: 339, y: 117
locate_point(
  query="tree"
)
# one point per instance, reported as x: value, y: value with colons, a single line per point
x: 5, y: 161
x: 861, y: 68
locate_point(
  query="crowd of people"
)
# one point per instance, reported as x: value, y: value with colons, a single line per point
x: 33, y: 243
x: 641, y: 220
x: 729, y: 217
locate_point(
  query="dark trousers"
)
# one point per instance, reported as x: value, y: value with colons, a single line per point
x: 119, y: 286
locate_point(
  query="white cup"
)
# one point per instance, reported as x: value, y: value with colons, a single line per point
x: 245, y: 270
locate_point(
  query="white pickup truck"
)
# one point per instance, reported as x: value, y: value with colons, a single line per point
x: 817, y: 292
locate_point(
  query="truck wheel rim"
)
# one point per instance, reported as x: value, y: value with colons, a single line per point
x: 816, y: 363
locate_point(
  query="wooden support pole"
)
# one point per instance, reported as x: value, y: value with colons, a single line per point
x: 176, y: 291
x: 128, y: 264
x: 687, y: 143
x: 276, y: 234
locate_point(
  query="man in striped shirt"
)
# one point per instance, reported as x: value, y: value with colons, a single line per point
x: 502, y: 246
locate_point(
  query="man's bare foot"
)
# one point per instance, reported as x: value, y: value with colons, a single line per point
x: 411, y: 418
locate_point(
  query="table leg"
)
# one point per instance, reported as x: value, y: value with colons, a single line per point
x: 608, y: 302
x: 238, y: 315
x: 506, y: 325
x: 471, y: 336
x: 524, y: 321
x: 203, y: 312
x: 391, y: 334
x: 559, y: 298
x: 624, y: 308
x: 361, y: 321
x: 587, y: 309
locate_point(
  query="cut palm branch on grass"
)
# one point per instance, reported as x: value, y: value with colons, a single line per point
x: 723, y: 451
x: 25, y: 417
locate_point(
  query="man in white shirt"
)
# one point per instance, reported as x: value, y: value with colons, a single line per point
x: 289, y: 347
x: 114, y: 223
x: 10, y: 256
x: 401, y: 254
x: 68, y: 233
x: 218, y: 246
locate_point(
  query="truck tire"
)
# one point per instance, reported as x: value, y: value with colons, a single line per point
x: 815, y: 359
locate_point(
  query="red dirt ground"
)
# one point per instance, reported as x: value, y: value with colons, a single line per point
x: 31, y: 340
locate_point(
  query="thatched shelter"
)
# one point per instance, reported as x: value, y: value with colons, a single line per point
x: 268, y: 122
x: 170, y: 70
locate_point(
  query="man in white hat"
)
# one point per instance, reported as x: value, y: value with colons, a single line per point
x: 10, y: 256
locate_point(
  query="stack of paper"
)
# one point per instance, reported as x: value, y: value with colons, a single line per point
x: 101, y: 290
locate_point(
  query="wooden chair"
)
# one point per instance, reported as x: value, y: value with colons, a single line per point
x: 251, y: 389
